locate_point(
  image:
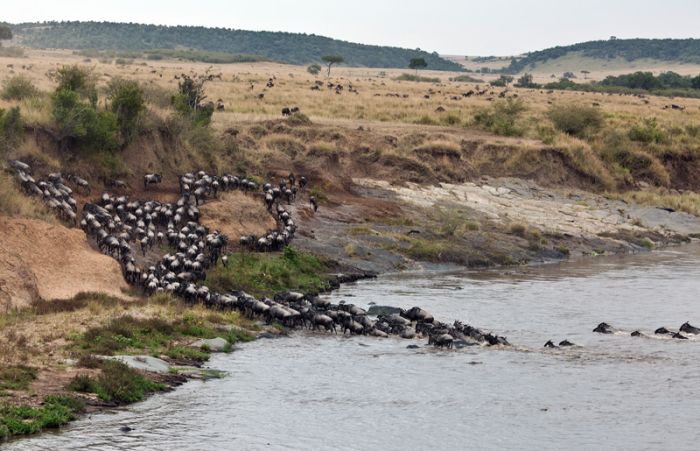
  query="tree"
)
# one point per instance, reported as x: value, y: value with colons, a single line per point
x: 127, y: 103
x: 695, y: 82
x: 5, y: 33
x: 189, y: 100
x: 331, y: 60
x: 585, y: 74
x: 503, y: 81
x: 526, y: 81
x: 417, y: 63
x: 313, y: 69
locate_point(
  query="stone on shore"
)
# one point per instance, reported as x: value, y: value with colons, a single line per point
x: 217, y: 344
x: 142, y: 362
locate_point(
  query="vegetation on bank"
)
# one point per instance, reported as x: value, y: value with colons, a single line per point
x: 293, y: 48
x: 270, y: 273
x: 98, y: 325
x: 54, y: 412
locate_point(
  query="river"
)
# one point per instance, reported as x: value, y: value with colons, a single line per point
x: 317, y: 392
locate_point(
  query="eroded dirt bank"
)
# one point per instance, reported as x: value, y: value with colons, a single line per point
x: 44, y: 261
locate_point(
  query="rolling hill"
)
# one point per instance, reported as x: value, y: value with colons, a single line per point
x: 620, y: 53
x: 293, y: 48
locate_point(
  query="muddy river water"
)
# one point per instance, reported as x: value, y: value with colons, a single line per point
x: 316, y: 392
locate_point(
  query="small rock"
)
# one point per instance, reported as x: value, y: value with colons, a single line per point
x: 142, y: 362
x: 217, y: 344
x: 412, y: 347
x: 267, y: 335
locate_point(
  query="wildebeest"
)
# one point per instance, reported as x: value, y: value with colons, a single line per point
x: 151, y: 179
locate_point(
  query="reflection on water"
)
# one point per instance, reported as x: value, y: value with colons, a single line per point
x: 321, y: 392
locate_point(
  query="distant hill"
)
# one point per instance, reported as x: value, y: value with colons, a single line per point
x: 293, y: 48
x: 680, y: 51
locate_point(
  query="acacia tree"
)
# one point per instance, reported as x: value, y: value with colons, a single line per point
x: 417, y: 63
x: 5, y: 33
x: 331, y: 60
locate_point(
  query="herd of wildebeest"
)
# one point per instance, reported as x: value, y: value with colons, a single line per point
x: 128, y: 230
x: 133, y: 232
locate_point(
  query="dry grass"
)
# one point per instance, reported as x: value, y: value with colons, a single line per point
x: 382, y: 102
x: 15, y: 203
x: 688, y: 202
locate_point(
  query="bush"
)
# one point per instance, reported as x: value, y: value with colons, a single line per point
x: 503, y: 81
x: 79, y: 80
x: 23, y: 420
x: 502, y: 117
x: 314, y: 69
x: 128, y: 104
x: 526, y: 81
x: 122, y: 385
x: 575, y: 120
x: 411, y: 77
x: 81, y: 123
x: 18, y: 87
x: 11, y: 128
x: 647, y: 132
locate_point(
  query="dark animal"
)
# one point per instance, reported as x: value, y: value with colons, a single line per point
x: 603, y: 328
x: 151, y: 179
x: 687, y: 328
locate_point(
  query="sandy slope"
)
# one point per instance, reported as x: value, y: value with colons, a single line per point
x: 40, y: 260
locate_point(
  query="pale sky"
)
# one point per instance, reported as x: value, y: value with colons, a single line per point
x: 486, y: 27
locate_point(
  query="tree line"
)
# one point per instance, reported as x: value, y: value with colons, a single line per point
x: 293, y: 48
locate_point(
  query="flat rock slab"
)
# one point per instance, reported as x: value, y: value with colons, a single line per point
x: 217, y: 344
x: 142, y: 362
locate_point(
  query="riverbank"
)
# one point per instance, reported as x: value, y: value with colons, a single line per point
x: 60, y: 359
x: 631, y: 391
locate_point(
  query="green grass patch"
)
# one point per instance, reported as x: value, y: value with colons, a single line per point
x: 187, y: 353
x: 24, y: 420
x: 117, y: 383
x: 267, y: 274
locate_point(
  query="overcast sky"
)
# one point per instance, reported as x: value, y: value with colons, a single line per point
x: 462, y: 27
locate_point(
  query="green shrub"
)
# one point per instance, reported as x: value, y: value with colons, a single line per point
x: 82, y: 383
x: 647, y: 132
x: 575, y: 120
x: 411, y: 77
x: 187, y: 353
x: 82, y: 123
x: 128, y: 104
x: 502, y: 117
x: 11, y: 129
x: 122, y: 385
x: 79, y: 80
x: 314, y: 69
x: 24, y: 420
x: 18, y: 87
